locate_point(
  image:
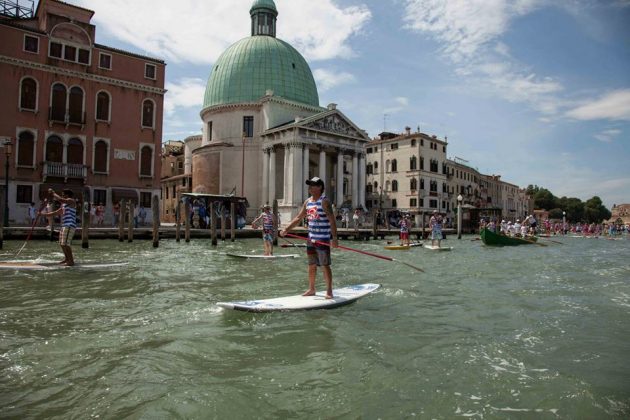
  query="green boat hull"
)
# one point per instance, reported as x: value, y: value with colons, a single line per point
x: 493, y: 239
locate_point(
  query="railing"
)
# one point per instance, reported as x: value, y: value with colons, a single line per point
x: 61, y: 116
x: 65, y: 170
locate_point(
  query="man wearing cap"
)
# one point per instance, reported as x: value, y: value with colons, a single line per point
x: 269, y: 226
x: 321, y: 229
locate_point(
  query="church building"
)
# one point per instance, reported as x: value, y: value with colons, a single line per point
x: 264, y: 132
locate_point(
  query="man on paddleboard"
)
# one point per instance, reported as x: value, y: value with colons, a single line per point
x: 68, y: 212
x: 321, y: 229
x: 269, y: 228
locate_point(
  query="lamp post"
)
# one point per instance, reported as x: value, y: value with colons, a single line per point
x: 7, y: 153
x: 459, y: 216
x: 564, y: 222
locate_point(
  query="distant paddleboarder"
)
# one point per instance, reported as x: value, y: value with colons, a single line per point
x: 269, y: 226
x: 321, y: 229
x: 68, y: 213
x: 435, y: 223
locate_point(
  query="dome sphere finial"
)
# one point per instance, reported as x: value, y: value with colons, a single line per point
x: 264, y: 15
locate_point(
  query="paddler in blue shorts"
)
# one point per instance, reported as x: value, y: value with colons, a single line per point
x: 435, y: 223
x: 269, y: 226
x: 321, y: 230
x: 68, y: 212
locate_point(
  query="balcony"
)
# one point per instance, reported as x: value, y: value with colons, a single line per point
x: 59, y: 116
x: 64, y: 170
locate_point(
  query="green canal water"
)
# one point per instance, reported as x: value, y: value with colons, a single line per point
x: 526, y: 332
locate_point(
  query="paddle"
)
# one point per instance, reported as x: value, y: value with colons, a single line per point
x: 383, y: 257
x: 532, y: 242
x: 31, y: 232
x: 555, y: 242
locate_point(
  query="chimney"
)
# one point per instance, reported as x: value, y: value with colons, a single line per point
x: 332, y: 107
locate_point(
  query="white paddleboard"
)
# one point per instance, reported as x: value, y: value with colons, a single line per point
x: 264, y: 257
x: 32, y: 265
x: 438, y: 248
x: 341, y: 296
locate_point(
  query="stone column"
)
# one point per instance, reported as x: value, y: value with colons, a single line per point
x: 297, y: 173
x: 322, y: 165
x: 339, y: 178
x: 355, y: 180
x: 305, y: 168
x: 272, y: 175
x: 361, y: 180
x: 265, y: 177
x: 287, y: 174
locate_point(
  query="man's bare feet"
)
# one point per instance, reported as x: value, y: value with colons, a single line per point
x: 309, y: 293
x: 329, y: 296
x: 62, y: 262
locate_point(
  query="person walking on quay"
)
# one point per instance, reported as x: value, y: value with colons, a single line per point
x: 135, y: 216
x: 405, y: 224
x: 322, y: 228
x: 68, y: 213
x: 435, y: 223
x: 269, y: 227
x: 142, y: 214
x: 116, y: 214
x: 100, y: 214
x: 32, y: 214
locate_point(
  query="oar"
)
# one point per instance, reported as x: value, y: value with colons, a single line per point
x: 31, y: 232
x: 532, y: 242
x: 383, y: 257
x: 555, y: 242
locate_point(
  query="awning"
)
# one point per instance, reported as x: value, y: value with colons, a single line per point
x: 126, y: 194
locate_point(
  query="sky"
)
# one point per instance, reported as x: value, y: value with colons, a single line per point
x: 537, y: 91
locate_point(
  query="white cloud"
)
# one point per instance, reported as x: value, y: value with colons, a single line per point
x: 185, y: 93
x: 198, y: 32
x: 401, y: 103
x: 607, y: 136
x: 328, y: 79
x: 612, y: 106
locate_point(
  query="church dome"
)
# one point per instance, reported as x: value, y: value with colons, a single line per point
x: 251, y: 66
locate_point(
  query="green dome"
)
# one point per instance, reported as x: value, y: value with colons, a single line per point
x: 251, y: 66
x: 263, y: 4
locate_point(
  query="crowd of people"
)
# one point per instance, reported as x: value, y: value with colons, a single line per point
x: 530, y: 227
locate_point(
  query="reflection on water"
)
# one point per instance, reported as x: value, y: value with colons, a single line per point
x: 540, y: 332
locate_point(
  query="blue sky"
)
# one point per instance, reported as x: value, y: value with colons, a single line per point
x: 537, y: 91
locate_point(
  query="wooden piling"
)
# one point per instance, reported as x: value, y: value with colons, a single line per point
x: 233, y: 221
x: 178, y: 217
x: 275, y: 213
x: 130, y: 226
x: 187, y: 221
x: 2, y: 229
x: 121, y: 221
x: 223, y: 222
x: 374, y: 226
x: 85, y: 219
x: 155, y: 207
x: 213, y: 224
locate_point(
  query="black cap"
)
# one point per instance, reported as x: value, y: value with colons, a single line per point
x: 315, y: 181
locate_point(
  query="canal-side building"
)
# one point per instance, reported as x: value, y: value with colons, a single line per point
x: 407, y: 172
x: 264, y: 132
x: 174, y: 181
x: 77, y: 113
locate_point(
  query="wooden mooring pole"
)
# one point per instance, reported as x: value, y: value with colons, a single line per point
x: 121, y: 221
x: 213, y: 223
x: 178, y: 217
x: 85, y: 219
x: 222, y: 222
x: 130, y: 226
x: 155, y: 207
x: 232, y: 221
x: 275, y: 213
x: 187, y: 221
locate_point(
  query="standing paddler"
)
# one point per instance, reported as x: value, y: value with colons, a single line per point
x: 68, y: 212
x: 269, y: 227
x: 321, y: 229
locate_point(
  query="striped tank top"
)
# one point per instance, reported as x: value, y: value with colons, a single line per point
x: 267, y: 220
x: 318, y: 223
x: 69, y: 218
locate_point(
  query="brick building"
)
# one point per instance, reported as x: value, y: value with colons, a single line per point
x: 76, y: 113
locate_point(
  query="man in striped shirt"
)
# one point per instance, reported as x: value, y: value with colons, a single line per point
x: 68, y: 213
x: 321, y: 229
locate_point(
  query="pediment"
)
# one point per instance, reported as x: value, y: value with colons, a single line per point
x: 334, y: 122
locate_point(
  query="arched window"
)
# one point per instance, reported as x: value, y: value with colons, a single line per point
x: 421, y: 184
x: 368, y: 169
x: 146, y: 158
x: 25, y: 147
x: 101, y: 156
x: 75, y: 105
x: 147, y: 113
x: 75, y: 151
x: 413, y: 163
x: 102, y: 106
x: 54, y: 149
x: 58, y: 103
x: 368, y: 189
x: 394, y: 165
x: 413, y: 184
x: 394, y: 186
x: 388, y: 165
x: 375, y: 166
x: 28, y: 94
x: 375, y: 186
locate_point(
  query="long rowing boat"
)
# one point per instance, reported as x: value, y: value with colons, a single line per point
x: 490, y: 238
